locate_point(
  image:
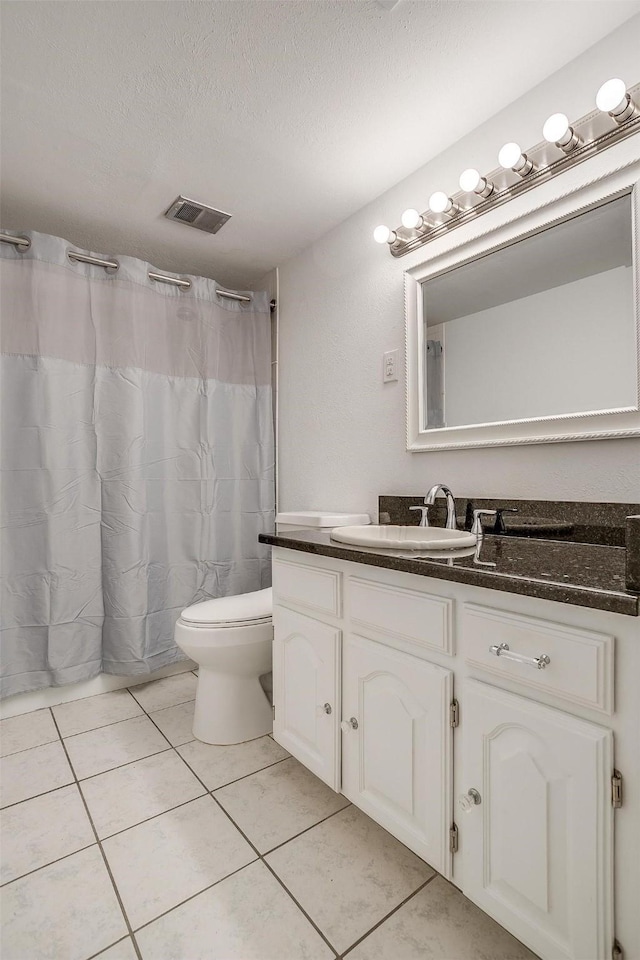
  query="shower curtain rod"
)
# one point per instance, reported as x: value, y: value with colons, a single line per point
x: 25, y: 243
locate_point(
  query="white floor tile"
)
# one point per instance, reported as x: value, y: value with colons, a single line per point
x: 25, y: 731
x: 160, y: 863
x: 121, y: 798
x: 348, y: 873
x: 39, y: 831
x: 119, y: 951
x: 31, y: 772
x: 176, y: 722
x: 217, y: 766
x: 277, y: 803
x: 439, y: 923
x: 109, y: 747
x: 78, y: 716
x: 66, y: 910
x: 246, y: 917
x: 166, y: 692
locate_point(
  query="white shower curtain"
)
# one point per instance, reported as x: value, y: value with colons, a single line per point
x: 137, y: 461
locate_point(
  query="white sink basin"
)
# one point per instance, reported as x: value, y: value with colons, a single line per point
x: 389, y: 537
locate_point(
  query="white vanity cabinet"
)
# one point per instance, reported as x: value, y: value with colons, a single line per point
x: 396, y: 745
x: 385, y: 686
x: 537, y: 847
x: 306, y: 661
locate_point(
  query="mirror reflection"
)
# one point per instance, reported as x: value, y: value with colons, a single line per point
x: 541, y: 328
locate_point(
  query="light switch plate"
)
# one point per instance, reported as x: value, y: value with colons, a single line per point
x: 390, y: 366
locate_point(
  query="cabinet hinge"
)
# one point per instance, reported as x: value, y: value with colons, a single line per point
x: 616, y: 789
x: 273, y: 711
x: 453, y: 839
x: 617, y: 953
x: 454, y: 714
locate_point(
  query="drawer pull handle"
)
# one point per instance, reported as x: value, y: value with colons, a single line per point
x: 502, y: 650
x: 327, y: 708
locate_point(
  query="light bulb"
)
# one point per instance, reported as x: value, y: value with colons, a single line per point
x: 555, y: 128
x: 383, y: 234
x: 439, y: 202
x: 612, y: 98
x: 411, y: 219
x: 472, y: 182
x: 511, y: 157
x: 611, y: 94
x: 469, y: 180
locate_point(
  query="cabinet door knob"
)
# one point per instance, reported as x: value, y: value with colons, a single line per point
x: 351, y: 724
x: 467, y: 801
x: 327, y: 708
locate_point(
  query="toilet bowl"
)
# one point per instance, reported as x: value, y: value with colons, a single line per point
x: 230, y: 639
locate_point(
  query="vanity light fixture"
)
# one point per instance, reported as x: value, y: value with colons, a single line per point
x: 384, y: 234
x: 413, y: 220
x: 471, y: 181
x: 439, y: 202
x: 576, y: 142
x: 558, y: 130
x: 511, y: 157
x: 612, y: 98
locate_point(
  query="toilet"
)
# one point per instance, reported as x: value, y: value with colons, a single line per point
x: 230, y: 638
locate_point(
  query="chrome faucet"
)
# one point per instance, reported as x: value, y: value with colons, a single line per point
x: 430, y: 499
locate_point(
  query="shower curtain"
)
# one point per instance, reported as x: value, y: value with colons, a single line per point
x: 137, y: 461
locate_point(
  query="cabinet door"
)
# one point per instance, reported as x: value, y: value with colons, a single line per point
x: 396, y: 765
x: 537, y: 849
x: 306, y: 659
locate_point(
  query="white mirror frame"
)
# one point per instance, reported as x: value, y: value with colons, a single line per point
x: 555, y: 207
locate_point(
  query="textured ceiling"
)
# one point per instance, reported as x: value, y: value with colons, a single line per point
x: 289, y: 115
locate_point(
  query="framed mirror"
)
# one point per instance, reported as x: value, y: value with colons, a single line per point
x: 531, y: 333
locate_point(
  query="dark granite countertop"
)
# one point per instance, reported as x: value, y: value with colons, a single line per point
x: 584, y: 574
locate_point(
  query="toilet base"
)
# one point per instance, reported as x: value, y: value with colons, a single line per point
x: 230, y: 709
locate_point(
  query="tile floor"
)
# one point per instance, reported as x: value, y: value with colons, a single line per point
x: 124, y: 838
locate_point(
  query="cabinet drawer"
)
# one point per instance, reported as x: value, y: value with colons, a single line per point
x: 580, y: 668
x: 309, y: 587
x: 418, y: 620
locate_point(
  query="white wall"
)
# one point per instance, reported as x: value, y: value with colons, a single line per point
x: 341, y: 430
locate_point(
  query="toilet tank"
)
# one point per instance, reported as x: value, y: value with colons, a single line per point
x: 317, y: 520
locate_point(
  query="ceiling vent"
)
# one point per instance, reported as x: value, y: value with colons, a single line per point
x: 197, y: 215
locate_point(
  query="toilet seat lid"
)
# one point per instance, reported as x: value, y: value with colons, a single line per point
x: 255, y: 607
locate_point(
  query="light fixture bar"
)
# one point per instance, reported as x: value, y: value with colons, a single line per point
x: 504, y: 187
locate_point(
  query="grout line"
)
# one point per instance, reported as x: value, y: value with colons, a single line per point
x: 390, y: 914
x: 259, y: 856
x: 154, y: 816
x: 121, y: 940
x: 273, y: 873
x: 197, y: 894
x: 245, y: 776
x: 14, y: 753
x: 104, y: 858
x: 299, y: 906
x: 101, y: 726
x: 114, y: 723
x: 306, y: 830
x: 17, y: 803
x: 49, y: 863
x: 92, y: 776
